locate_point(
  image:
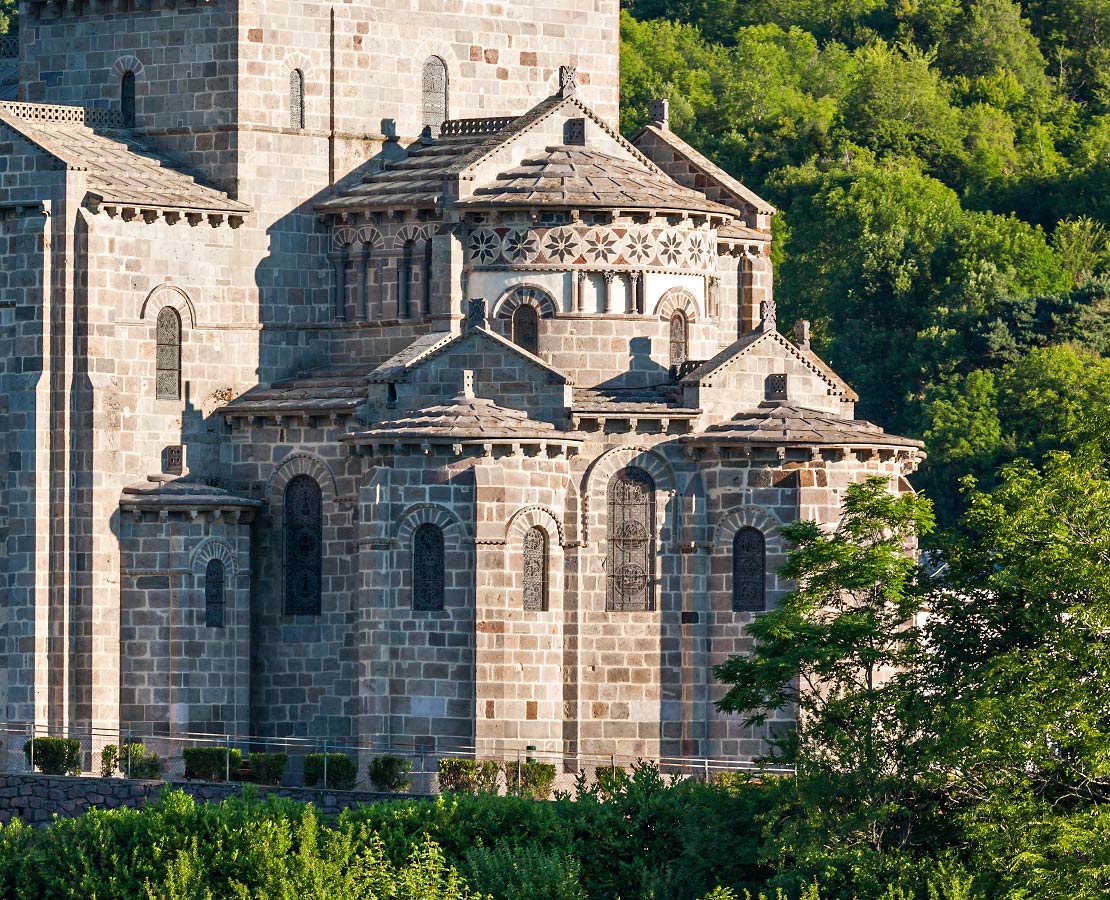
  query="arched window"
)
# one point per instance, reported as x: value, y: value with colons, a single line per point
x: 426, y: 275
x: 427, y: 567
x: 167, y: 384
x: 749, y: 567
x: 526, y: 328
x: 535, y: 569
x: 435, y: 93
x: 214, y: 578
x: 404, y: 280
x: 127, y: 99
x: 679, y: 340
x: 304, y: 551
x: 296, y: 99
x: 630, y: 557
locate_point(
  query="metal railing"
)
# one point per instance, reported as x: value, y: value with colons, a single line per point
x: 511, y: 764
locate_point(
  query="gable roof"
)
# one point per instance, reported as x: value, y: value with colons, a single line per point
x: 706, y: 169
x: 399, y: 367
x: 753, y: 338
x: 118, y: 169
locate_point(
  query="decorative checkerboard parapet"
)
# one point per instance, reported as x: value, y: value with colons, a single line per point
x: 79, y: 115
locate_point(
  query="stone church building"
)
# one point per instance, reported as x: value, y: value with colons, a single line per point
x: 358, y: 378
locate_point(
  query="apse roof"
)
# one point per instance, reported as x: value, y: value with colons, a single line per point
x: 323, y: 392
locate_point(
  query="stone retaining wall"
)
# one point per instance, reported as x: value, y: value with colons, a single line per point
x: 35, y: 799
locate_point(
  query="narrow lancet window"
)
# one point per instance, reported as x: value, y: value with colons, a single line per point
x: 630, y: 557
x: 304, y: 556
x: 426, y: 276
x: 679, y: 341
x: 214, y: 579
x: 535, y: 569
x: 296, y: 99
x: 427, y: 568
x: 435, y: 94
x: 404, y: 281
x: 168, y: 359
x: 749, y: 567
x: 526, y: 328
x: 127, y: 99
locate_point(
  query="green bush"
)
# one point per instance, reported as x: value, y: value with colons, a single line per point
x: 142, y: 764
x: 468, y: 776
x: 342, y: 771
x: 54, y: 755
x: 529, y: 779
x: 512, y: 871
x: 390, y: 773
x: 211, y: 763
x: 268, y: 768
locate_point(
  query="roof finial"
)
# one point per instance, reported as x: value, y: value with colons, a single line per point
x: 568, y: 81
x: 801, y: 333
x: 661, y: 114
x: 476, y: 314
x: 767, y: 314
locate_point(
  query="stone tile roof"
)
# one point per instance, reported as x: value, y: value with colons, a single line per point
x: 118, y: 169
x: 184, y: 493
x: 463, y: 420
x: 418, y: 180
x: 705, y: 170
x: 570, y: 176
x: 323, y: 392
x: 618, y: 402
x: 778, y: 424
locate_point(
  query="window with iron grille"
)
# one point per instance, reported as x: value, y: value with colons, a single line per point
x: 427, y: 568
x: 776, y: 387
x: 749, y: 571
x: 304, y: 552
x: 679, y: 340
x: 214, y: 580
x: 574, y: 132
x: 127, y: 99
x: 630, y: 553
x: 296, y: 99
x: 535, y: 569
x: 526, y: 328
x: 435, y: 93
x: 168, y: 362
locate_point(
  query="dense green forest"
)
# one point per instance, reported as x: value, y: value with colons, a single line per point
x: 942, y: 174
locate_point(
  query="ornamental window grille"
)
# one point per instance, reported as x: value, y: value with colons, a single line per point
x: 749, y: 568
x: 404, y: 280
x: 215, y: 577
x: 168, y: 358
x: 526, y: 328
x: 630, y: 557
x: 679, y: 340
x: 435, y: 94
x: 775, y: 387
x: 296, y: 99
x: 427, y: 568
x: 574, y: 132
x: 535, y: 569
x: 304, y: 552
x: 127, y: 99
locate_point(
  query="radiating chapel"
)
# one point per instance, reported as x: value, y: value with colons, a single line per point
x: 359, y: 379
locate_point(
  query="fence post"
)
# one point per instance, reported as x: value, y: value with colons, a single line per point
x: 518, y: 771
x: 227, y: 757
x: 127, y: 750
x: 32, y: 746
x: 325, y: 765
x: 707, y: 770
x: 425, y: 781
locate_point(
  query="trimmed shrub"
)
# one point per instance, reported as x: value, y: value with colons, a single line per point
x: 54, y: 755
x: 342, y: 771
x: 390, y: 773
x: 210, y: 763
x: 143, y: 764
x: 529, y: 779
x: 468, y: 776
x: 268, y: 768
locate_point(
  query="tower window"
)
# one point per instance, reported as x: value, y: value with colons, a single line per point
x: 535, y: 569
x: 427, y: 568
x: 630, y: 552
x: 214, y: 579
x: 168, y: 361
x: 127, y: 99
x: 304, y: 560
x: 749, y: 566
x: 296, y: 99
x: 434, y: 93
x: 526, y: 328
